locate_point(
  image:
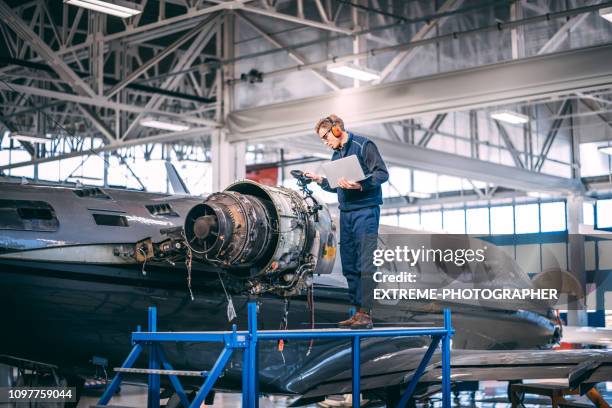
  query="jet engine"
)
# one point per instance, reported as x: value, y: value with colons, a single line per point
x: 273, y: 237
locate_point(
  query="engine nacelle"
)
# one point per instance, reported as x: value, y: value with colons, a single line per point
x: 270, y: 235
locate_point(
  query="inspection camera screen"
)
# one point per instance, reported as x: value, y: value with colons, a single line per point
x: 290, y: 203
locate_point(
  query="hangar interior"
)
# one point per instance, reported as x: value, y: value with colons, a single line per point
x: 494, y: 117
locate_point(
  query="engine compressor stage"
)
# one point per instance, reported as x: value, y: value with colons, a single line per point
x: 271, y: 236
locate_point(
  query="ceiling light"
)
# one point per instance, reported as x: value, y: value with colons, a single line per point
x: 606, y: 13
x: 29, y: 138
x: 605, y: 150
x: 164, y: 125
x: 353, y: 71
x: 537, y: 194
x: 117, y: 8
x: 416, y: 194
x: 510, y: 117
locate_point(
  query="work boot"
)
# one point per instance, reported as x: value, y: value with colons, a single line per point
x: 345, y: 324
x: 361, y: 320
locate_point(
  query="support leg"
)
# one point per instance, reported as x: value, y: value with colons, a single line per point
x: 356, y: 372
x: 214, y: 374
x: 154, y: 380
x: 246, y: 391
x: 176, y: 383
x: 419, y: 371
x: 446, y: 351
x: 253, y: 369
x: 112, y: 387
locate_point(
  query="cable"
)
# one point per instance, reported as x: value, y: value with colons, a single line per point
x: 374, y: 10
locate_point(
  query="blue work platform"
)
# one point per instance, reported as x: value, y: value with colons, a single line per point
x: 246, y: 341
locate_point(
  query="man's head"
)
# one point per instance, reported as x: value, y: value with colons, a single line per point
x: 331, y: 131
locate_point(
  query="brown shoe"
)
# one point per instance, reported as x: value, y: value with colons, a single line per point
x: 345, y: 324
x: 361, y: 321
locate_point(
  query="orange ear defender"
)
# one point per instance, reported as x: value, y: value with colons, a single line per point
x: 336, y: 131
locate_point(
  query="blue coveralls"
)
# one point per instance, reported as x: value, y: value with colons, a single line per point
x: 359, y: 219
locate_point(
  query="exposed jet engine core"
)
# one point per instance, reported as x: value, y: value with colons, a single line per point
x: 271, y: 236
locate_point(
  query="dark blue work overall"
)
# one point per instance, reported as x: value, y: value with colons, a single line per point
x: 359, y: 219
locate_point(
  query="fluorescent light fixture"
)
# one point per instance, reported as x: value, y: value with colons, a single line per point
x: 116, y: 8
x: 353, y: 71
x: 29, y: 138
x: 537, y: 194
x: 416, y: 194
x: 606, y: 13
x: 164, y: 125
x: 605, y: 150
x: 507, y: 116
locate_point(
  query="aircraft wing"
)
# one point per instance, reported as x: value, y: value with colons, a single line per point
x: 597, y: 336
x: 576, y: 366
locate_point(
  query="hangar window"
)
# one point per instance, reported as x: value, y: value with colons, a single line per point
x: 431, y: 220
x: 389, y: 220
x: 111, y: 220
x: 604, y: 213
x: 409, y: 220
x: 25, y: 215
x: 454, y: 221
x: 552, y: 216
x: 527, y: 218
x: 502, y: 220
x: 477, y: 220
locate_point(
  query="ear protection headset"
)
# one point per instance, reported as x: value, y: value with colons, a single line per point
x: 335, y: 129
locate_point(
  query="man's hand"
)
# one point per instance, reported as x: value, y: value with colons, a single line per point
x: 349, y: 185
x: 315, y: 177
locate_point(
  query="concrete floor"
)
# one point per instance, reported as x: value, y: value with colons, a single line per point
x: 491, y: 394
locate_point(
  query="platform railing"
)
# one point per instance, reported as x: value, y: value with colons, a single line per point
x: 247, y: 342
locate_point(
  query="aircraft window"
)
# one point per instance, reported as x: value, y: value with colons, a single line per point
x: 111, y: 220
x: 24, y: 215
x: 93, y: 192
x: 162, y: 209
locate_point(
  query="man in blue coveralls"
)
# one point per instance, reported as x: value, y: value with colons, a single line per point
x: 359, y: 214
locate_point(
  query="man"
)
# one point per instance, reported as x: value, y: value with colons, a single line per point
x: 359, y: 214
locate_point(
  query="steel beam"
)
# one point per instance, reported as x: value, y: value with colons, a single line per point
x: 591, y: 104
x: 538, y: 77
x: 164, y: 137
x: 557, y: 39
x: 292, y: 54
x: 158, y: 57
x: 97, y: 122
x: 552, y: 134
x: 392, y: 133
x: 103, y: 103
x: 56, y: 63
x: 435, y: 125
x: 185, y: 61
x: 406, y: 155
x: 296, y: 20
x: 516, y: 157
x: 10, y: 18
x: 405, y: 57
x: 450, y: 36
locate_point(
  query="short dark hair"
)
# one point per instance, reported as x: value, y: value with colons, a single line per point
x: 328, y: 122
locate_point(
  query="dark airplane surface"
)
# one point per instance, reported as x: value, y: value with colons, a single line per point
x: 80, y: 266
